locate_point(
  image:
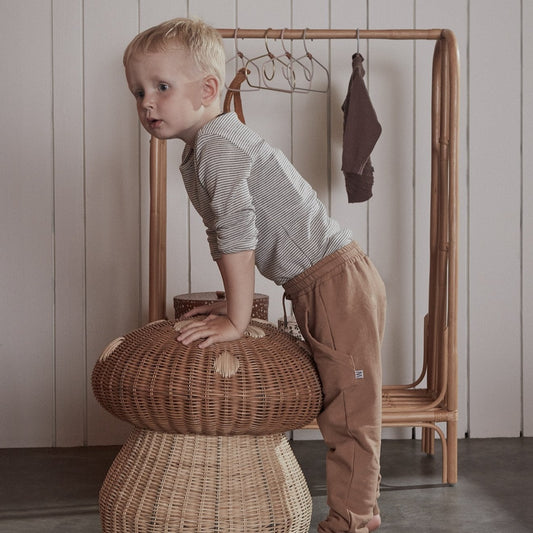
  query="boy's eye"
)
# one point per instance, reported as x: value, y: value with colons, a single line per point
x: 163, y: 86
x: 138, y: 94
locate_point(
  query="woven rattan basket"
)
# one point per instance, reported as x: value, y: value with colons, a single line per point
x: 186, y: 302
x: 161, y: 482
x: 261, y: 384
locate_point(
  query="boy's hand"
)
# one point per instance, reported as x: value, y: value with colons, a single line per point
x: 213, y: 328
x: 238, y: 275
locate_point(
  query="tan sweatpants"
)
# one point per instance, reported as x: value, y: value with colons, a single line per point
x: 339, y: 304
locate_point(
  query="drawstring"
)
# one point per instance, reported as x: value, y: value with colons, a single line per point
x: 290, y: 325
x: 285, y: 321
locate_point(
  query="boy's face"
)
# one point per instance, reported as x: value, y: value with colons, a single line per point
x: 169, y: 92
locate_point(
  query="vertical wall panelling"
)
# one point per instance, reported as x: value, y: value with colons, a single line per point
x: 346, y: 14
x: 69, y: 208
x: 310, y: 116
x: 267, y: 112
x: 219, y: 14
x: 26, y: 225
x: 112, y: 193
x: 152, y: 13
x: 527, y: 222
x: 74, y: 203
x: 310, y: 110
x: 494, y: 218
x: 422, y: 181
x: 204, y: 274
x: 452, y: 15
x: 391, y: 211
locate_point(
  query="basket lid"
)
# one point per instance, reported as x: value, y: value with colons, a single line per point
x: 263, y: 383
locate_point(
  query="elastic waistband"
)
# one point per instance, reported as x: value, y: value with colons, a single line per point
x: 308, y: 277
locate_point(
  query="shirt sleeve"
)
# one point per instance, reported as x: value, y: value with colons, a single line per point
x: 223, y: 170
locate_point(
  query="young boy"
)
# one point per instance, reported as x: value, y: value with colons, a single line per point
x: 259, y: 211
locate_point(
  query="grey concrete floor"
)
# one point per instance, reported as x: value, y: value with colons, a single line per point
x: 56, y: 489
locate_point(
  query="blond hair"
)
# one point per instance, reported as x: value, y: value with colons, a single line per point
x: 202, y: 41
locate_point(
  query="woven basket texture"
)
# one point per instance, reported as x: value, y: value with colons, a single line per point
x: 186, y: 302
x: 178, y: 483
x: 251, y: 386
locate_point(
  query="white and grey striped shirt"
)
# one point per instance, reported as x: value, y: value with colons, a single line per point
x: 250, y: 197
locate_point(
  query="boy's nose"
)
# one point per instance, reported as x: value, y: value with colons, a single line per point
x: 147, y: 103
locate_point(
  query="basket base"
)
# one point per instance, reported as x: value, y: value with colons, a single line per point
x: 177, y: 483
x: 186, y: 302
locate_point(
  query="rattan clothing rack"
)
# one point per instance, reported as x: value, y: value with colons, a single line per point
x: 432, y: 398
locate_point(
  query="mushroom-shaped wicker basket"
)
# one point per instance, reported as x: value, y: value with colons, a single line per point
x: 163, y: 482
x: 261, y: 384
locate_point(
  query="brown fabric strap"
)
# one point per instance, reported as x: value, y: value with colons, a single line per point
x: 234, y: 93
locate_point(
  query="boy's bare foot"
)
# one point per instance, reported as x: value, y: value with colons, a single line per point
x: 374, y: 523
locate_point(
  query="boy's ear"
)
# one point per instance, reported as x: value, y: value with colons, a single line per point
x: 210, y: 89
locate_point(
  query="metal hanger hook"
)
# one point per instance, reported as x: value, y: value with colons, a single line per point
x: 272, y: 57
x: 305, y: 43
x: 266, y: 43
x: 236, y: 46
x: 287, y: 53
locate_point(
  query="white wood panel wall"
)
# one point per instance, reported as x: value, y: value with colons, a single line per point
x: 494, y: 217
x: 527, y: 219
x: 74, y: 200
x: 27, y: 375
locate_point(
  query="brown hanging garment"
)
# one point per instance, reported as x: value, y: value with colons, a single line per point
x: 361, y: 132
x: 234, y: 93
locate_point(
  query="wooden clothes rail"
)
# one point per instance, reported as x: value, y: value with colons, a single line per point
x: 308, y: 33
x: 432, y: 398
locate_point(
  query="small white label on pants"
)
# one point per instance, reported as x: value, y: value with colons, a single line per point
x: 359, y: 374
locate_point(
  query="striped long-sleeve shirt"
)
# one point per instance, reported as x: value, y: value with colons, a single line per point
x: 250, y: 197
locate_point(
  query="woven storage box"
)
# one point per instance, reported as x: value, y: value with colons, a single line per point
x: 177, y: 483
x: 186, y: 302
x: 263, y: 383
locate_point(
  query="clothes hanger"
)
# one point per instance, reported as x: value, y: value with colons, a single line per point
x: 285, y: 68
x: 261, y: 75
x: 266, y: 70
x: 313, y: 61
x: 240, y: 63
x: 254, y: 72
x: 292, y: 72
